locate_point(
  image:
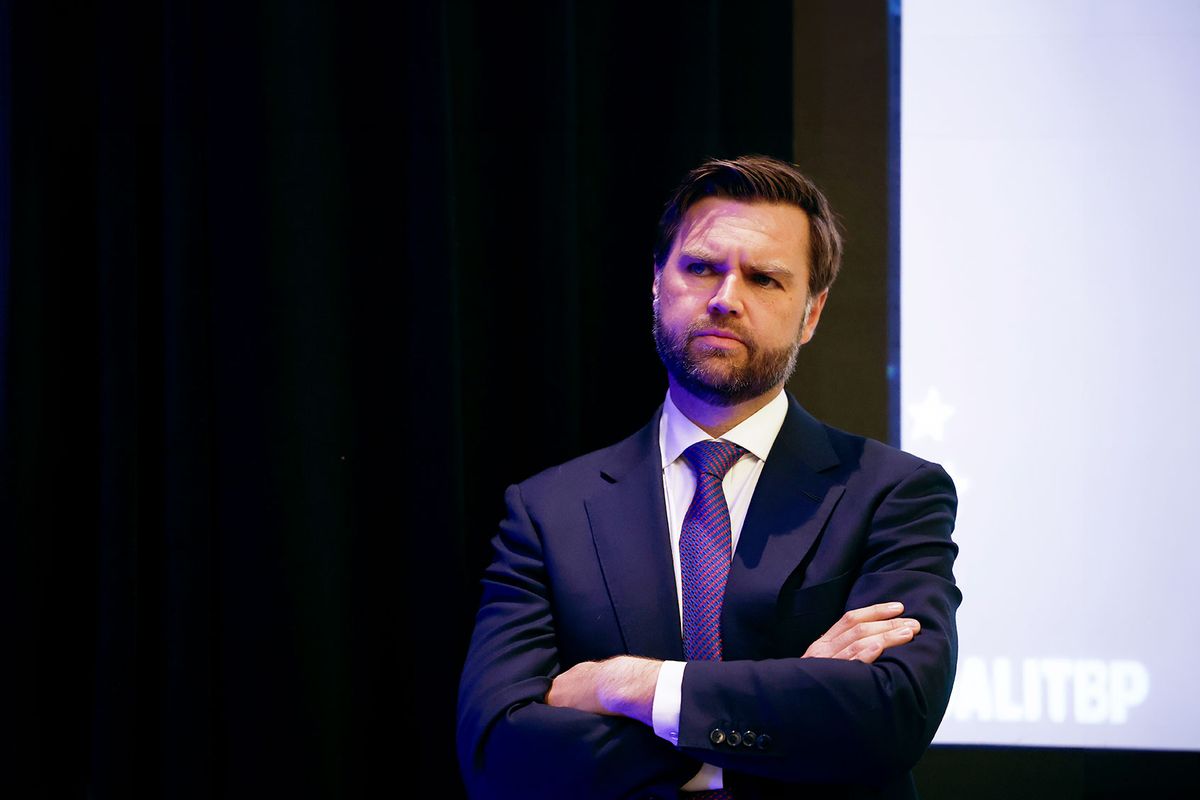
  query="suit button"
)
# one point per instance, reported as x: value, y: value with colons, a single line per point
x: 733, y: 739
x: 764, y: 742
x: 717, y: 736
x: 748, y: 739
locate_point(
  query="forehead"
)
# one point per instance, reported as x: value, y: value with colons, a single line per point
x: 718, y: 227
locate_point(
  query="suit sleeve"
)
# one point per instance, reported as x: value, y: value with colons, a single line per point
x: 830, y: 721
x: 510, y: 743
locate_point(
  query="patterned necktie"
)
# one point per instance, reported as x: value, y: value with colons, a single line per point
x: 705, y: 549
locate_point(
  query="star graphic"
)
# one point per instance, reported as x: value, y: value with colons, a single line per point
x: 929, y: 416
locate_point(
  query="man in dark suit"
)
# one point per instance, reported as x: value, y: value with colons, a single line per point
x: 714, y: 604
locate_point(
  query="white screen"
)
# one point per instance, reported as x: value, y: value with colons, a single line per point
x: 1050, y: 201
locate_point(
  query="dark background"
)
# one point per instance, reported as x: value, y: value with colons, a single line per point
x: 291, y: 290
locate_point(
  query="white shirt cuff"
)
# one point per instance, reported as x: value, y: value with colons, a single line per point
x: 668, y: 696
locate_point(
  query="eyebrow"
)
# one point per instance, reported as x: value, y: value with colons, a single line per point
x: 699, y: 254
x: 771, y: 268
x: 766, y: 267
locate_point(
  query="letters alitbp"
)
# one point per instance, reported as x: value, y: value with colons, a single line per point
x: 1084, y: 691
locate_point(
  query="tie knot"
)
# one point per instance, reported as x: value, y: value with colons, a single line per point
x: 713, y: 457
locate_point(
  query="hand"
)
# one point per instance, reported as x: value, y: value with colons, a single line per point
x: 619, y: 686
x: 864, y: 633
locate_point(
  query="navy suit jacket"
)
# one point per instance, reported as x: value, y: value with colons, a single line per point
x: 583, y: 571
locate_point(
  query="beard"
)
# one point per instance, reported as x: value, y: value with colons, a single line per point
x: 715, y: 376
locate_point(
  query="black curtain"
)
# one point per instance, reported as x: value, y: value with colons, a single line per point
x: 289, y: 292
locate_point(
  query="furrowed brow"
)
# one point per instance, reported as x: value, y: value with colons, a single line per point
x: 773, y: 269
x: 699, y: 254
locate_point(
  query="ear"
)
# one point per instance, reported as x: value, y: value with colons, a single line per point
x: 657, y: 277
x: 813, y: 316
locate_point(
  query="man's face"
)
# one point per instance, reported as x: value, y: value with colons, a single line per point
x: 731, y: 304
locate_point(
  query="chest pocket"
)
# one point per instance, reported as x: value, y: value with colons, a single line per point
x: 805, y: 613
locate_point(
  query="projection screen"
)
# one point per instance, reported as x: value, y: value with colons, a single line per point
x: 1050, y: 200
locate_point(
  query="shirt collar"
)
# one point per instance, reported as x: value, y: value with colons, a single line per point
x: 757, y: 433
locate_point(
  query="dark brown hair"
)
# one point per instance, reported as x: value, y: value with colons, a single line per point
x: 758, y: 179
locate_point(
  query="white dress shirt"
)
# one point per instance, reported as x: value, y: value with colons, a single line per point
x: 677, y: 433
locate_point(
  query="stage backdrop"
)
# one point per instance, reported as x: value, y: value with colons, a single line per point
x: 289, y: 293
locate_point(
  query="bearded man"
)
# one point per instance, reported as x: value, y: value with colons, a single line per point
x: 736, y: 601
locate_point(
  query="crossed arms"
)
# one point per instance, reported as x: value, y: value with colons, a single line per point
x: 858, y: 706
x: 623, y: 686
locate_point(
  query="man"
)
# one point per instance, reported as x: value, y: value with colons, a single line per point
x: 713, y: 604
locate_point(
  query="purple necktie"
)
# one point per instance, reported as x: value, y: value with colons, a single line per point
x: 705, y: 549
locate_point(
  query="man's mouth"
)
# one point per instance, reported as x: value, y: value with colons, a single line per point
x: 717, y: 336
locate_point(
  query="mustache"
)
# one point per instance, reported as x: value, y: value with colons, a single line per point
x: 710, y: 324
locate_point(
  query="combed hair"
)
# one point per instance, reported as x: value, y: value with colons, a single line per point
x: 758, y: 179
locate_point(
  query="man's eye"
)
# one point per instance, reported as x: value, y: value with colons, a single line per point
x: 763, y: 280
x: 697, y: 268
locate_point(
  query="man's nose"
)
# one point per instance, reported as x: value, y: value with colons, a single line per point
x: 727, y: 300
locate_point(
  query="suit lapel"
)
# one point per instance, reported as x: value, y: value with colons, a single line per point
x: 628, y: 518
x: 791, y: 503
